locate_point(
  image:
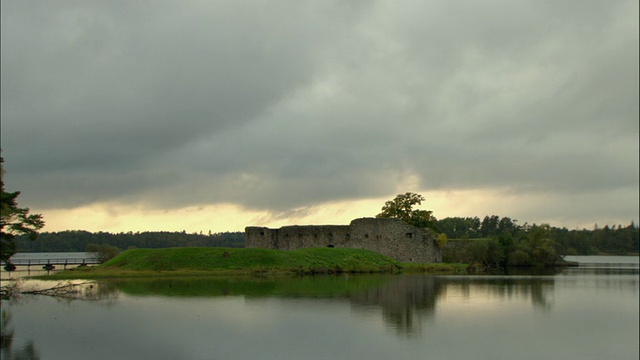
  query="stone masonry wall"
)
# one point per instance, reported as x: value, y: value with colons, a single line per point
x: 390, y: 237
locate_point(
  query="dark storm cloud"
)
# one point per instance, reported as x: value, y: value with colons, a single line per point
x: 119, y: 83
x: 283, y: 104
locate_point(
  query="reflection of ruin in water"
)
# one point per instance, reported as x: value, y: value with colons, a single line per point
x: 379, y: 316
x: 406, y: 301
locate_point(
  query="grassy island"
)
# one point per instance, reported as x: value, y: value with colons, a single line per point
x: 203, y: 261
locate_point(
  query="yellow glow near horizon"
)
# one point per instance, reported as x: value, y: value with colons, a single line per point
x: 216, y: 218
x: 229, y: 217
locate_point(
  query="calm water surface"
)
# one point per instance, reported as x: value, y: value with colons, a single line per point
x: 588, y: 312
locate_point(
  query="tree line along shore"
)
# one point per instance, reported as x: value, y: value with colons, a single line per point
x: 492, y: 242
x: 181, y: 253
x: 614, y: 240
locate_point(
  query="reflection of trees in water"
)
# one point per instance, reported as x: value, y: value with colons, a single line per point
x: 100, y: 293
x: 408, y: 300
x: 537, y: 289
x: 64, y: 291
x: 609, y: 276
x: 28, y: 351
x: 405, y: 300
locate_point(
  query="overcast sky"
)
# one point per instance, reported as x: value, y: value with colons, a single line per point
x: 216, y: 115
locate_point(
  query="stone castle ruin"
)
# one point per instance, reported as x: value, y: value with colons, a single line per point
x: 390, y: 237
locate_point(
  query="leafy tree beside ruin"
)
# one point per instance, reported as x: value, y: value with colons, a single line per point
x: 401, y: 207
x: 14, y: 220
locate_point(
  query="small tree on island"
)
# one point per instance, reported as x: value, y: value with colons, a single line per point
x: 401, y: 207
x: 102, y: 252
x: 14, y: 221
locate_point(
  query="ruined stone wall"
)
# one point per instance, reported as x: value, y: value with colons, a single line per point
x: 390, y: 237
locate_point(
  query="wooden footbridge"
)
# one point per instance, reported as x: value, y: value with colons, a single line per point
x: 48, y: 263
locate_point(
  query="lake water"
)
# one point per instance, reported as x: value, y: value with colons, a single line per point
x: 586, y: 312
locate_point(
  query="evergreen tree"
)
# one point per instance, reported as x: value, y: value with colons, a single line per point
x: 14, y: 220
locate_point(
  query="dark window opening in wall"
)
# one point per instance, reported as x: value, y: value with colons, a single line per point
x: 286, y: 236
x: 409, y: 235
x: 299, y: 236
x: 315, y: 236
x: 347, y: 237
x: 330, y: 246
x: 410, y: 259
x: 366, y: 236
x: 261, y: 233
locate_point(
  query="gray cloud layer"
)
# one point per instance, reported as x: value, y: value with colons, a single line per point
x: 282, y: 104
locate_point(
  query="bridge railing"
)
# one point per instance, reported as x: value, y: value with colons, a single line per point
x: 52, y: 261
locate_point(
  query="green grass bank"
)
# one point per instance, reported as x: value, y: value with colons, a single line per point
x: 211, y: 261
